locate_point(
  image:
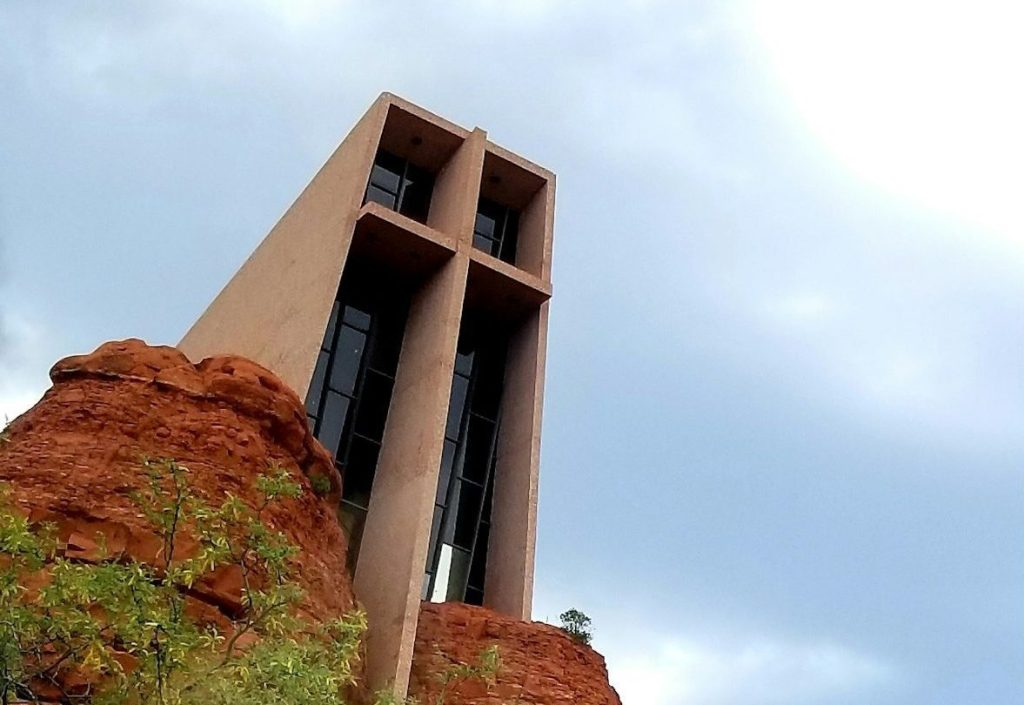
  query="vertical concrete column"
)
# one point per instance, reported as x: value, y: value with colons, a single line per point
x: 457, y: 189
x: 508, y: 585
x: 393, y: 553
x: 288, y: 284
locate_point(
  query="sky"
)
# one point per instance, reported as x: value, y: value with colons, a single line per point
x: 782, y: 458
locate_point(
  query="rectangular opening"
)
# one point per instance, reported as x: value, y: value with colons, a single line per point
x: 511, y: 220
x: 457, y: 554
x: 350, y: 393
x: 411, y: 152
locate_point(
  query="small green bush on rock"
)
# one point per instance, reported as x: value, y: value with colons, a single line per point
x: 577, y: 625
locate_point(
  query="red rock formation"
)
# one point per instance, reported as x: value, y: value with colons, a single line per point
x: 74, y: 459
x: 541, y: 664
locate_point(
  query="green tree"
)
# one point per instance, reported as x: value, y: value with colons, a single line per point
x: 577, y: 625
x: 124, y: 624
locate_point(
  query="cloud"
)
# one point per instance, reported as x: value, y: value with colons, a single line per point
x: 759, y: 671
x: 20, y: 347
x: 669, y: 654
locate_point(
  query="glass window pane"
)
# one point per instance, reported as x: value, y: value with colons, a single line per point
x: 478, y: 570
x: 485, y: 244
x: 470, y: 498
x: 359, y: 320
x: 509, y: 238
x: 457, y: 574
x: 474, y: 596
x: 464, y: 363
x: 374, y: 399
x: 485, y: 225
x: 384, y: 178
x: 445, y: 474
x: 333, y: 422
x: 347, y: 356
x: 418, y: 187
x: 377, y: 195
x: 389, y: 161
x: 478, y: 449
x: 487, y: 388
x: 435, y: 528
x: 331, y: 323
x: 387, y: 343
x: 358, y: 472
x: 316, y: 385
x: 485, y: 516
x: 460, y: 385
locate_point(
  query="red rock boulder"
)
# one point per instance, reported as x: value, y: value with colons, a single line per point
x: 75, y: 459
x: 540, y: 664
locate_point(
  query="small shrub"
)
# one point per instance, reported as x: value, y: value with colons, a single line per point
x: 320, y: 483
x: 577, y: 625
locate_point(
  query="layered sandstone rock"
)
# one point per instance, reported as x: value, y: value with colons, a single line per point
x: 74, y: 459
x: 540, y: 664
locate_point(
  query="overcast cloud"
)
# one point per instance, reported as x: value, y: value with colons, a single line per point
x: 782, y: 457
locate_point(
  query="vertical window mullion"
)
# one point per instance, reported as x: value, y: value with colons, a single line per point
x: 457, y: 463
x: 332, y: 349
x: 357, y: 391
x: 492, y: 461
x: 402, y: 182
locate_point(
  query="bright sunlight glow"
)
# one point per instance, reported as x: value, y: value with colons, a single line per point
x: 923, y: 98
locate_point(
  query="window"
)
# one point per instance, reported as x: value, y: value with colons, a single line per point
x: 457, y: 555
x: 350, y: 392
x: 398, y: 184
x: 496, y: 230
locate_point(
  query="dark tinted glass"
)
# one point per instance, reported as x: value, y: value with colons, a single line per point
x: 331, y: 323
x: 474, y: 596
x: 489, y: 381
x: 470, y: 499
x: 488, y: 498
x: 447, y: 460
x: 385, y: 178
x: 347, y: 356
x: 356, y: 318
x: 510, y: 237
x: 435, y: 527
x: 378, y: 195
x: 496, y: 230
x: 333, y: 421
x: 359, y: 471
x: 485, y: 244
x: 485, y: 224
x: 416, y: 196
x: 460, y: 386
x: 464, y: 363
x: 478, y: 449
x: 317, y: 384
x: 373, y: 405
x: 389, y: 162
x: 387, y: 345
x: 477, y: 571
